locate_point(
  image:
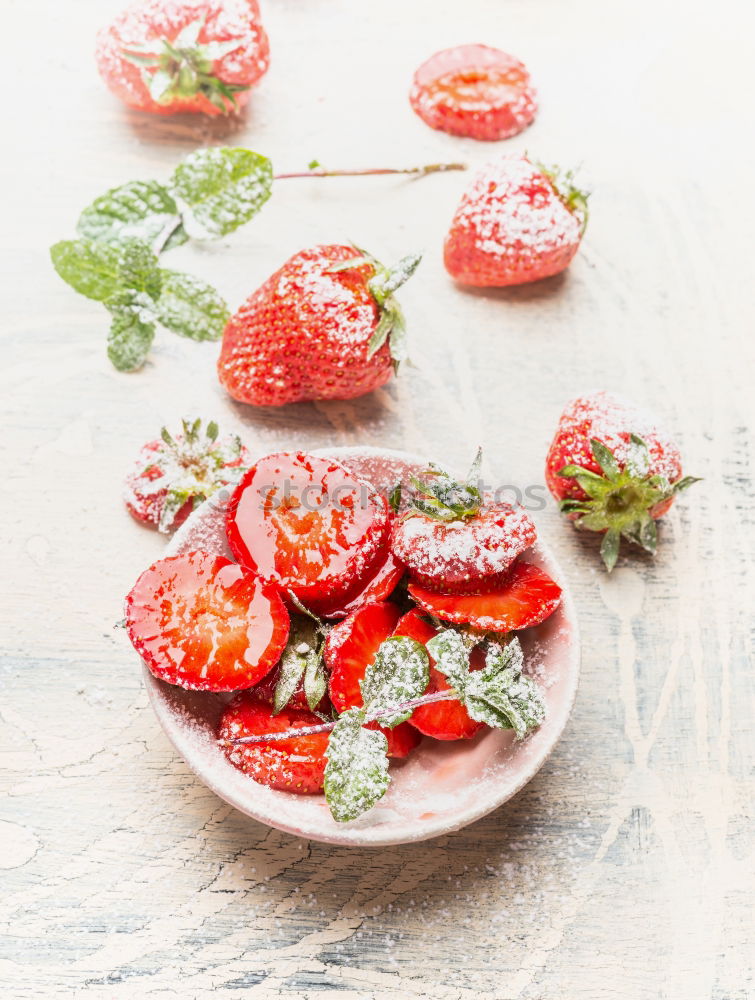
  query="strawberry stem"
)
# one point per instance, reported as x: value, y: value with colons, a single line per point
x: 326, y: 727
x: 430, y: 168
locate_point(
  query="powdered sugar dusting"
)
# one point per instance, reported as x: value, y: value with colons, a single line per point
x: 510, y: 227
x: 441, y: 787
x: 464, y: 551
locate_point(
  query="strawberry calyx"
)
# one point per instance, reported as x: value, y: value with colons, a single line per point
x: 620, y: 502
x: 192, y: 467
x: 442, y: 498
x: 182, y: 68
x: 573, y: 197
x: 385, y: 281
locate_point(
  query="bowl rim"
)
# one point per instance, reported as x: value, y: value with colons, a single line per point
x: 181, y: 738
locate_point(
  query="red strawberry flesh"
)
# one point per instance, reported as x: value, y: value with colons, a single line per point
x: 295, y: 765
x: 528, y: 597
x: 204, y: 623
x: 443, y: 720
x: 463, y: 555
x: 474, y: 91
x: 350, y: 648
x: 308, y: 524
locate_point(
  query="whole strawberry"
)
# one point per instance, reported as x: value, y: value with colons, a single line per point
x: 517, y: 222
x: 169, y: 56
x: 172, y: 475
x: 326, y: 325
x: 614, y: 470
x: 453, y: 539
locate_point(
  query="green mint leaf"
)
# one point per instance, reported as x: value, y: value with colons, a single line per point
x: 451, y: 656
x: 138, y: 270
x: 141, y: 209
x: 132, y: 330
x: 302, y: 646
x: 190, y: 307
x: 221, y: 188
x: 88, y: 267
x: 399, y: 672
x: 394, y: 498
x: 501, y: 695
x: 356, y: 775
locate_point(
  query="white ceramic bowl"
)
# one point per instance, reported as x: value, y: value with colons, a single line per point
x: 441, y: 787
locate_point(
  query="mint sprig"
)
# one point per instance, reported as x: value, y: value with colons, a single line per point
x: 356, y: 775
x: 139, y: 295
x: 500, y: 695
x: 211, y: 193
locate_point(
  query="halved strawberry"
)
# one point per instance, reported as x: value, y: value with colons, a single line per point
x: 204, y: 623
x: 527, y: 598
x: 292, y: 765
x: 349, y: 649
x: 379, y: 587
x: 307, y: 524
x: 444, y: 720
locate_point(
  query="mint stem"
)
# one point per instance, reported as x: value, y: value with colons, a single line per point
x: 326, y: 727
x: 165, y: 234
x: 430, y: 168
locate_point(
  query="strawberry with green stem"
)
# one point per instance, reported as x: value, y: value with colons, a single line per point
x: 172, y: 56
x: 452, y: 538
x: 517, y: 222
x: 175, y: 473
x: 325, y: 325
x: 614, y: 470
x: 124, y: 231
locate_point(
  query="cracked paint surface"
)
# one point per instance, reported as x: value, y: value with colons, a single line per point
x: 624, y: 870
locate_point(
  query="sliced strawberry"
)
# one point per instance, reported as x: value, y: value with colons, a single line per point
x: 349, y: 649
x: 527, y: 598
x: 204, y: 623
x: 444, y: 720
x: 379, y: 587
x: 475, y: 91
x: 293, y: 765
x: 307, y: 524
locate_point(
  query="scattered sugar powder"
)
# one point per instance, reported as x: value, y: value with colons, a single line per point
x: 442, y: 785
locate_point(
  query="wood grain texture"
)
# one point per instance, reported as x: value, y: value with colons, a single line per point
x: 625, y: 869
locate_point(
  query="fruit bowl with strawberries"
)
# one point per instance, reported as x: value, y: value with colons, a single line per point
x: 354, y: 647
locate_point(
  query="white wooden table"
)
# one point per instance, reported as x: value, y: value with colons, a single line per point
x: 625, y: 869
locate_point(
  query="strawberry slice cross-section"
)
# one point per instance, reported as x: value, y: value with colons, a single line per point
x: 526, y: 598
x: 309, y: 525
x: 204, y: 623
